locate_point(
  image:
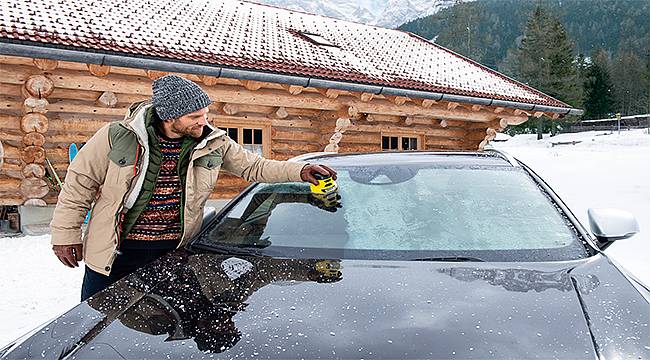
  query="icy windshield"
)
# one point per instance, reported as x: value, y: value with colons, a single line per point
x: 404, y: 211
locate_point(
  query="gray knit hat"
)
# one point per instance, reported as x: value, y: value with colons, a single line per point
x: 174, y: 96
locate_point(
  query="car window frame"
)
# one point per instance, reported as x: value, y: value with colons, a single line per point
x: 581, y: 233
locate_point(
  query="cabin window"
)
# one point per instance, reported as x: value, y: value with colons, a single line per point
x: 396, y: 142
x: 251, y: 139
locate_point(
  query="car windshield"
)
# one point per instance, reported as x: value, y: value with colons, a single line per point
x: 410, y: 210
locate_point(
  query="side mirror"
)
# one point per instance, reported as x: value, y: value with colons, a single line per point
x: 609, y: 225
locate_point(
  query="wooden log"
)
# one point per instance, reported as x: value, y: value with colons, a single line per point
x: 35, y: 202
x: 155, y: 75
x: 33, y: 171
x: 2, y: 155
x: 209, y: 80
x: 281, y: 113
x: 353, y: 111
x: 330, y: 93
x: 99, y: 70
x: 85, y: 125
x: 443, y: 142
x: 35, y: 105
x: 294, y: 146
x: 555, y: 116
x: 538, y: 114
x: 252, y: 85
x: 231, y: 109
x: 443, y: 123
x: 293, y: 135
x: 33, y: 188
x: 397, y: 100
x: 476, y: 107
x: 45, y: 64
x: 39, y: 86
x: 107, y: 99
x: 520, y: 112
x: 293, y: 123
x: 34, y: 122
x: 427, y: 103
x: 365, y: 97
x: 498, y: 110
x: 452, y: 105
x: 81, y: 107
x: 33, y: 154
x: 33, y: 139
x: 408, y: 120
x: 294, y: 89
x: 342, y: 124
x: 362, y: 148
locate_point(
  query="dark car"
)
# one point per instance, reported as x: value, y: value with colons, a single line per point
x: 417, y: 255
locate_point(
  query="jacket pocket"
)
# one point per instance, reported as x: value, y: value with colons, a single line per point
x: 120, y: 167
x: 206, y: 170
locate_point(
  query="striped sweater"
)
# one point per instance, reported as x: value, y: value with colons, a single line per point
x: 159, y: 224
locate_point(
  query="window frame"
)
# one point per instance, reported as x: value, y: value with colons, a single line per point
x: 240, y: 125
x: 400, y: 136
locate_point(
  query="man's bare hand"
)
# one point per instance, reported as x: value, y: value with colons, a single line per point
x: 69, y: 255
x: 308, y: 171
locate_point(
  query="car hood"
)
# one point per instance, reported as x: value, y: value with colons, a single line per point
x: 221, y: 306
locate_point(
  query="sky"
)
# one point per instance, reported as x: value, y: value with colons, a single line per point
x: 602, y: 170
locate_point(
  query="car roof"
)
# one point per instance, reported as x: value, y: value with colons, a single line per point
x: 488, y: 157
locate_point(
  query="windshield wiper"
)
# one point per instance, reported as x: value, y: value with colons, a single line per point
x: 232, y: 250
x: 450, y: 258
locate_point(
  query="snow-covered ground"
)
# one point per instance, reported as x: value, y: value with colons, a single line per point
x: 600, y: 171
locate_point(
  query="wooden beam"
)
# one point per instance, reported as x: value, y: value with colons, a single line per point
x: 397, y: 100
x: 281, y: 112
x: 294, y: 89
x: 538, y: 114
x: 520, y: 112
x: 209, y: 80
x: 476, y: 107
x: 252, y: 85
x: 555, y: 116
x: 330, y: 93
x: 39, y: 86
x: 499, y: 109
x: 452, y: 105
x: 35, y: 105
x: 365, y: 97
x: 443, y: 123
x: 154, y: 74
x: 99, y: 70
x: 231, y: 109
x: 107, y: 99
x: 427, y: 103
x: 45, y: 64
x: 408, y: 120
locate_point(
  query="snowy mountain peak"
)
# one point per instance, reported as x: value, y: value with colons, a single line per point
x: 384, y: 13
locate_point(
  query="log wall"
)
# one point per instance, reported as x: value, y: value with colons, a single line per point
x: 45, y: 105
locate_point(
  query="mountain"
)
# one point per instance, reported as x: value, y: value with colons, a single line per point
x: 384, y: 13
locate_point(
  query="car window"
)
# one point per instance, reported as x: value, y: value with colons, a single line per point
x: 405, y: 211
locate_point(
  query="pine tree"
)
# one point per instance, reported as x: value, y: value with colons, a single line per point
x: 545, y: 61
x: 599, y: 90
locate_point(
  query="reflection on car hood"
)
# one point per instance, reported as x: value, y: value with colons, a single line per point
x: 216, y: 306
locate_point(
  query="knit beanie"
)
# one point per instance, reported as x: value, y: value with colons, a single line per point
x: 174, y: 96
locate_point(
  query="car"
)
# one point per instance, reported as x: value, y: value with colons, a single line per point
x: 454, y: 255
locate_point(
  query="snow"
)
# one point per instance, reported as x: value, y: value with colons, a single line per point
x: 601, y: 171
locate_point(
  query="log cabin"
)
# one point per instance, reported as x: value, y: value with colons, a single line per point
x: 283, y: 83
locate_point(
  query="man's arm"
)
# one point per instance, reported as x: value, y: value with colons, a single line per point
x: 85, y: 175
x: 252, y: 167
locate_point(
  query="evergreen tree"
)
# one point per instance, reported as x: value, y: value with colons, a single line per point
x: 599, y: 93
x: 627, y: 75
x: 544, y: 60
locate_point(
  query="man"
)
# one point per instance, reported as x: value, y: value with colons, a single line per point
x: 150, y: 176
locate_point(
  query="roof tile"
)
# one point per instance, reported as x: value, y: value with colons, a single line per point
x: 258, y: 37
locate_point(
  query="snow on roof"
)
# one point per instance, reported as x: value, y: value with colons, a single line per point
x: 257, y: 37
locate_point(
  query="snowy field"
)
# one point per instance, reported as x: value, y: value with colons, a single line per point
x: 600, y: 171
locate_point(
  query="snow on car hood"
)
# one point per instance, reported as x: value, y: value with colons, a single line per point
x: 217, y: 306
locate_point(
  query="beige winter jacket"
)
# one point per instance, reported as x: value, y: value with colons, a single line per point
x: 120, y: 183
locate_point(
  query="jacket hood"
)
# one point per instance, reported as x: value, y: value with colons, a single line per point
x: 217, y: 306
